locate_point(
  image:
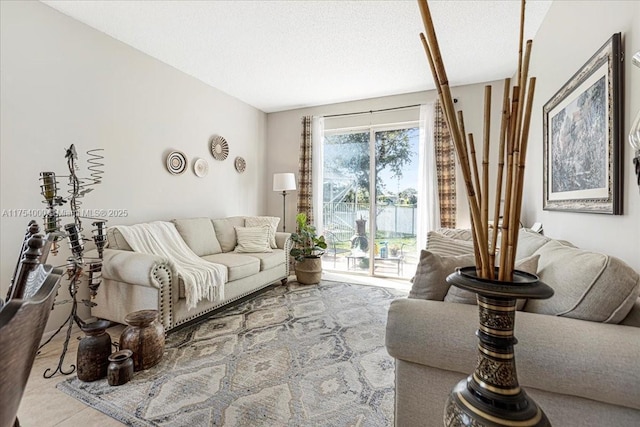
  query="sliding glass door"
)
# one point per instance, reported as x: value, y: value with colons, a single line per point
x: 370, y: 199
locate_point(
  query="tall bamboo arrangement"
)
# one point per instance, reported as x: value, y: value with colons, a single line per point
x: 512, y: 150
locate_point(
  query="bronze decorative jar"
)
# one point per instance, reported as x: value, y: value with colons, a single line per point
x: 144, y: 337
x: 491, y: 396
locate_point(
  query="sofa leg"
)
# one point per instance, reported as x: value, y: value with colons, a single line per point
x: 284, y: 281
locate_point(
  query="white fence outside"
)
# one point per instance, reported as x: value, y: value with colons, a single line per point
x: 391, y: 220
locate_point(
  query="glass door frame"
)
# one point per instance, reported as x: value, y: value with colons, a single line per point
x: 373, y: 197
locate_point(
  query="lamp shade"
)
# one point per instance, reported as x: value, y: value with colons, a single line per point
x: 284, y: 182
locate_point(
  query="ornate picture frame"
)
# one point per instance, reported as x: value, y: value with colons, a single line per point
x: 582, y: 137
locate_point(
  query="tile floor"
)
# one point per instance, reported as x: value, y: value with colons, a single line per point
x: 43, y: 405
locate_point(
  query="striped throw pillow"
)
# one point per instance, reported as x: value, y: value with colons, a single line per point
x: 253, y: 239
x: 443, y: 245
x: 260, y: 221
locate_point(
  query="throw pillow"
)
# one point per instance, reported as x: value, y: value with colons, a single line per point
x: 226, y: 233
x: 430, y: 279
x: 587, y: 285
x: 456, y: 233
x: 443, y: 245
x: 260, y: 221
x: 199, y: 235
x: 529, y: 242
x: 463, y: 296
x: 253, y: 239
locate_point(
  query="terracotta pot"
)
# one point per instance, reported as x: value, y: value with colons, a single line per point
x: 93, y: 351
x: 144, y: 337
x: 309, y: 271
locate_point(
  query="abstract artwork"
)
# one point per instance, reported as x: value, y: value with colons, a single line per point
x: 582, y: 134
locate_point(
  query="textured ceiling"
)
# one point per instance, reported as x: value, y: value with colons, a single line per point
x: 280, y: 55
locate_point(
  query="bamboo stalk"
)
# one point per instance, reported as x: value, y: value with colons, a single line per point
x: 520, y: 41
x: 508, y: 190
x: 477, y: 230
x: 474, y: 165
x: 463, y: 158
x: 506, y: 255
x: 447, y: 102
x: 467, y: 147
x: 514, y: 220
x: 476, y: 251
x: 523, y: 154
x: 484, y: 200
x: 499, y: 180
x: 514, y: 129
x: 522, y: 89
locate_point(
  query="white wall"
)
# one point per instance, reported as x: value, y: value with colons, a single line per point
x: 570, y: 34
x: 284, y: 133
x: 63, y: 82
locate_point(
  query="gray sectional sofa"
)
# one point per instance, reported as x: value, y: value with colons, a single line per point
x: 134, y: 281
x: 578, y: 353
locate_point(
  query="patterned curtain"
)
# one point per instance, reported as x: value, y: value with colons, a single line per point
x: 446, y: 166
x: 305, y: 163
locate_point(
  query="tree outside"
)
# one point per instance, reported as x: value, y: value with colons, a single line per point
x: 347, y: 159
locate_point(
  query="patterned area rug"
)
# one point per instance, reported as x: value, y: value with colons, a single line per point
x: 290, y: 356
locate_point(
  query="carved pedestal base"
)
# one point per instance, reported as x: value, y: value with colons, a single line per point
x: 491, y: 396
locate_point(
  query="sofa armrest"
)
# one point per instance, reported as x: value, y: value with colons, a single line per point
x: 136, y: 268
x: 282, y: 239
x: 575, y: 357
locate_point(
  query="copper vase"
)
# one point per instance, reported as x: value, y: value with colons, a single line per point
x: 491, y: 396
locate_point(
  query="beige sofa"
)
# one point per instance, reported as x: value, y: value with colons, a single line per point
x: 578, y: 353
x: 134, y: 281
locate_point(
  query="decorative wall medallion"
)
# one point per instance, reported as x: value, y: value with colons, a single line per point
x: 176, y: 162
x: 219, y: 148
x: 241, y: 165
x: 201, y: 168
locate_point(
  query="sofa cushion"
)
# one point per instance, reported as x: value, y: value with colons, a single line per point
x: 116, y: 240
x: 443, y: 245
x: 429, y: 281
x: 238, y: 265
x: 269, y: 260
x: 588, y: 285
x: 199, y: 235
x: 463, y: 296
x: 633, y: 318
x: 260, y: 221
x: 226, y: 233
x: 253, y: 239
x: 529, y: 242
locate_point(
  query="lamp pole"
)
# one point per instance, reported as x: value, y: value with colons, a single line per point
x: 284, y: 182
x: 284, y: 211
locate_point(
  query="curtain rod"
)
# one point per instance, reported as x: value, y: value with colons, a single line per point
x: 377, y: 111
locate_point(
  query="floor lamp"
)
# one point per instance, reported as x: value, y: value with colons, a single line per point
x: 284, y: 182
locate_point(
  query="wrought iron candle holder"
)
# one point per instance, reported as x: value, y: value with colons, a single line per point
x: 78, y: 266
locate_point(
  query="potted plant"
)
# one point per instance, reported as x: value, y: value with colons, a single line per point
x: 307, y: 251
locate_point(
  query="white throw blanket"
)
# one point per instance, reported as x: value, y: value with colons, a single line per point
x: 201, y: 278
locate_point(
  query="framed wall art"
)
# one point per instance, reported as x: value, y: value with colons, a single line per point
x: 582, y: 136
